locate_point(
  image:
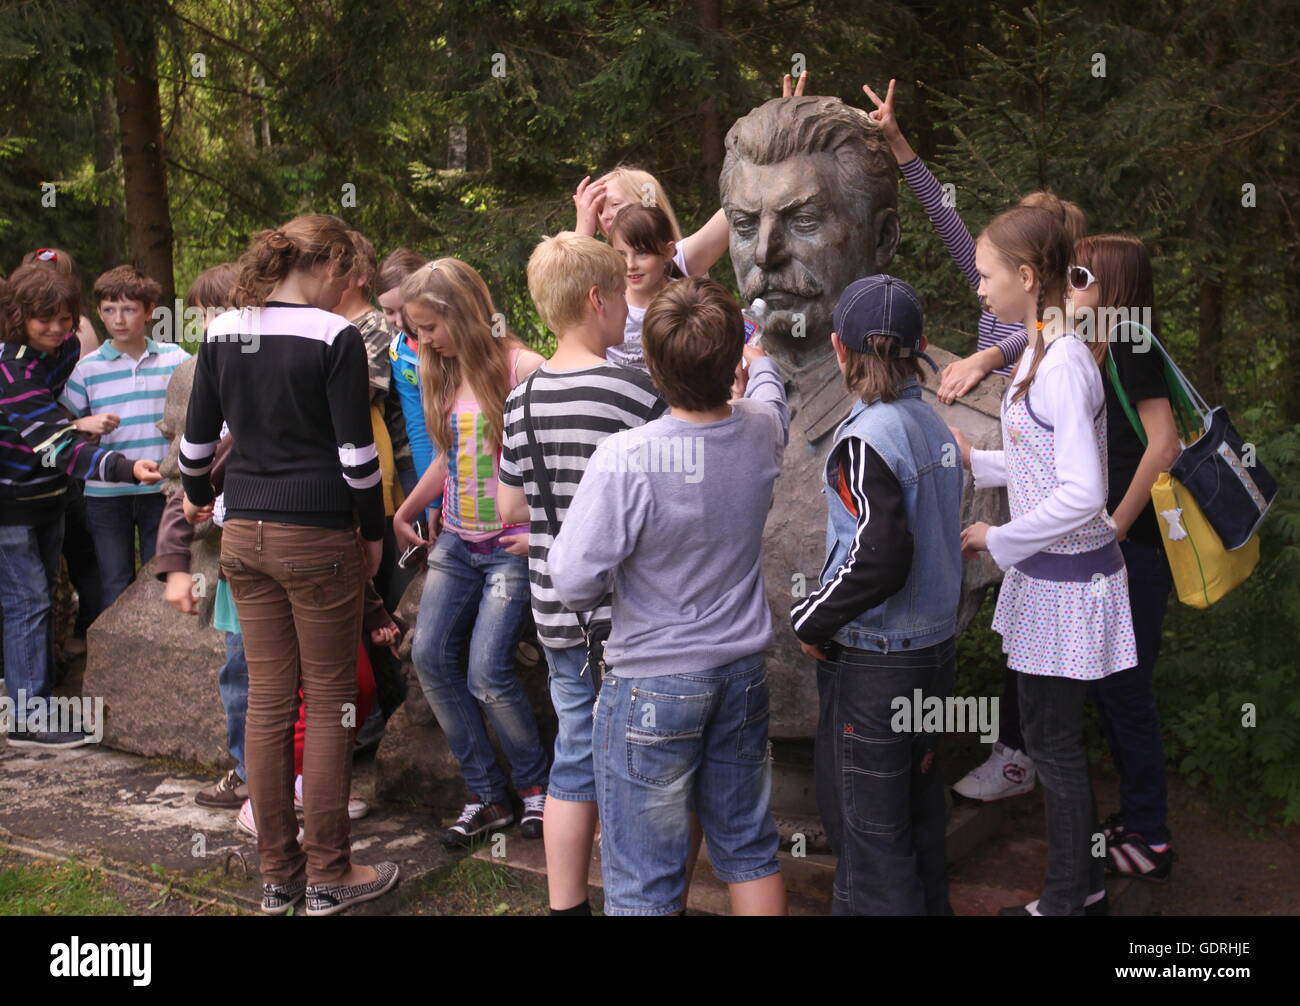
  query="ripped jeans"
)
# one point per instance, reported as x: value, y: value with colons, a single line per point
x: 479, y: 598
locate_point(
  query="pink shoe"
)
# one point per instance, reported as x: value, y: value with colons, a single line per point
x: 357, y: 807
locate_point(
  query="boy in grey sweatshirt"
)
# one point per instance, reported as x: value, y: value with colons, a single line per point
x: 670, y: 515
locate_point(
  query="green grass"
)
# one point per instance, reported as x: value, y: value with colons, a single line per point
x: 473, y: 887
x: 55, y: 889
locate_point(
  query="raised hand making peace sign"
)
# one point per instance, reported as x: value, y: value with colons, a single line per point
x: 883, y: 116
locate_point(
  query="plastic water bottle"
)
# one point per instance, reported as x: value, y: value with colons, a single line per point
x: 754, y: 316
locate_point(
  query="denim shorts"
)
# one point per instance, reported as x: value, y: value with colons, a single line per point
x: 573, y: 694
x: 669, y: 745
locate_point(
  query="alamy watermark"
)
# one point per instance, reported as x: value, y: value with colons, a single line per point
x: 680, y: 455
x: 191, y: 324
x: 1106, y: 324
x: 68, y: 714
x: 950, y: 714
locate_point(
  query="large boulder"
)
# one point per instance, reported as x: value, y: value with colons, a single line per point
x: 156, y: 669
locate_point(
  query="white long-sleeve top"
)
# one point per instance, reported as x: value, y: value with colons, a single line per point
x: 1060, y: 494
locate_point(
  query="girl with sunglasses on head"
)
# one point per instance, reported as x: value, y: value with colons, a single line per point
x: 1110, y: 279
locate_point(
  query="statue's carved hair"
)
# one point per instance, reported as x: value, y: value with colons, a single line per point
x: 783, y: 127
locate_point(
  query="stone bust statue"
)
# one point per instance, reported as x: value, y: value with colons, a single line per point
x: 810, y: 191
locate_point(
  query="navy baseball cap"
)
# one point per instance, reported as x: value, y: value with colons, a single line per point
x: 881, y: 305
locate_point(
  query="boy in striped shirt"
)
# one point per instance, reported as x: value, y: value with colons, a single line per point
x: 117, y: 392
x: 576, y: 399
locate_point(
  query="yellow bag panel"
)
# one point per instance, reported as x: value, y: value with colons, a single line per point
x: 1204, y: 571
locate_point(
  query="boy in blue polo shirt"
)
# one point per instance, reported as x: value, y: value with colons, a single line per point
x: 117, y: 393
x: 882, y: 623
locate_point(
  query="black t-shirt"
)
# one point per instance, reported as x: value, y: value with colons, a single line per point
x: 1142, y: 376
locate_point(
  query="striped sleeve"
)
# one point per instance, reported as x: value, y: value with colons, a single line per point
x: 74, y: 397
x: 1013, y: 345
x: 51, y: 441
x: 949, y: 226
x: 348, y: 389
x: 202, y: 430
x: 879, y: 558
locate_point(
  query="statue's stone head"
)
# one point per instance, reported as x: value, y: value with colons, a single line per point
x: 810, y: 191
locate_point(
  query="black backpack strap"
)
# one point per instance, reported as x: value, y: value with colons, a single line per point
x: 541, y: 476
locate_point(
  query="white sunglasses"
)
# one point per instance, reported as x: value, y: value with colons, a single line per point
x: 419, y: 530
x: 1079, y: 277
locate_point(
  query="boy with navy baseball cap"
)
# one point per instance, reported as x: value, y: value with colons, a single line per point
x: 882, y: 623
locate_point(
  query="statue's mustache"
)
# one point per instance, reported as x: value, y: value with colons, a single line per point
x: 798, y: 282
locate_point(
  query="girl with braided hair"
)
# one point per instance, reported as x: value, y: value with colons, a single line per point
x: 1063, y: 610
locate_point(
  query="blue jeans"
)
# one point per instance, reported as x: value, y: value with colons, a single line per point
x: 79, y: 552
x: 669, y: 745
x: 1052, y: 719
x: 113, y: 522
x: 1127, y: 701
x: 232, y: 682
x: 29, y: 566
x: 880, y: 791
x: 573, y: 694
x: 481, y: 598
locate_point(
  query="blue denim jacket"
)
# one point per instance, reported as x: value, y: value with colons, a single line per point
x: 920, y: 451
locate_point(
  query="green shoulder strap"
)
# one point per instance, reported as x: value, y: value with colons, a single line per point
x: 1123, y: 399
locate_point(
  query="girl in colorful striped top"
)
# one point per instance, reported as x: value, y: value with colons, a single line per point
x: 999, y: 344
x: 477, y: 589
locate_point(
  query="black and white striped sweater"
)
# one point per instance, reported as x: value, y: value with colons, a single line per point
x: 291, y: 382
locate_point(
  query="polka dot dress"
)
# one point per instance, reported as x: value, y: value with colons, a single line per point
x: 1065, y: 628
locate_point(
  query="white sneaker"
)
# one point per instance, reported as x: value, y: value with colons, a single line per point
x: 357, y: 807
x: 245, y: 823
x: 1006, y: 772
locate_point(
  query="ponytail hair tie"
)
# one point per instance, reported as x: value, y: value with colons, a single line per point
x: 1038, y: 326
x: 278, y: 240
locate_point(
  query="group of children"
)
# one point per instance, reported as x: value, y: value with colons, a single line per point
x: 613, y: 496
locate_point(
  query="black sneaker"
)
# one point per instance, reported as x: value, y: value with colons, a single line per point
x: 330, y: 899
x: 1091, y: 909
x: 474, y: 820
x: 50, y: 740
x: 530, y: 825
x: 1128, y: 855
x: 279, y: 898
x: 1112, y: 828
